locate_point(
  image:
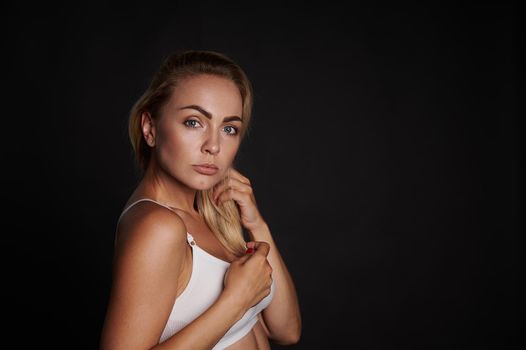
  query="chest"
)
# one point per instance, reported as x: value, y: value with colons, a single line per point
x: 205, y: 238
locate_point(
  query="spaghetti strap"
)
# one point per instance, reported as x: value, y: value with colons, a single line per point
x: 142, y: 200
x: 190, y: 239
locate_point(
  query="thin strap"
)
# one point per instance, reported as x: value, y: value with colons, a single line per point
x: 189, y: 237
x: 142, y: 200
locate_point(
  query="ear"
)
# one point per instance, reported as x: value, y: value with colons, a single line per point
x: 148, y: 128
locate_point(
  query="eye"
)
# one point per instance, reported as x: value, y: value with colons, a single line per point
x: 231, y: 130
x: 191, y: 123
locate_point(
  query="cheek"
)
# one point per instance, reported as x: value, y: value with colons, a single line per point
x: 229, y: 153
x: 172, y: 151
x: 177, y: 145
x: 230, y: 149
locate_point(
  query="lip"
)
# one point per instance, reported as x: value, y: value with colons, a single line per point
x: 205, y: 169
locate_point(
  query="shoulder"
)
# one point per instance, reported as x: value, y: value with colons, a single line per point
x: 149, y: 256
x: 152, y: 227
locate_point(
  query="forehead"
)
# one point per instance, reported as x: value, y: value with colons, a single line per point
x: 218, y: 95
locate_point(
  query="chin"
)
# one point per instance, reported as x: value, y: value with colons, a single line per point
x: 205, y: 184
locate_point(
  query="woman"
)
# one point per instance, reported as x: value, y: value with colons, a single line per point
x: 184, y: 277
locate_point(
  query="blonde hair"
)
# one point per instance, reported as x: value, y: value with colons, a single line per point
x: 223, y: 220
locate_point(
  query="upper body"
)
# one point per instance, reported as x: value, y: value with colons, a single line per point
x: 201, y: 284
x: 182, y: 274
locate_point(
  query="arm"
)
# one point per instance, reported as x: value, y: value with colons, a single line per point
x: 149, y: 256
x: 282, y: 319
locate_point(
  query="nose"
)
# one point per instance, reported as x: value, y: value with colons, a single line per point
x: 211, y: 144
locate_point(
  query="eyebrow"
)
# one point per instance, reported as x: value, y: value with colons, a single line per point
x: 209, y: 115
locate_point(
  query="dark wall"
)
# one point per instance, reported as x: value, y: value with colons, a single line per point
x: 384, y: 154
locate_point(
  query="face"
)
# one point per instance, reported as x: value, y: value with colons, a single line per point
x: 200, y: 124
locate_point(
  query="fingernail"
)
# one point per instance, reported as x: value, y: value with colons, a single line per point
x: 249, y: 250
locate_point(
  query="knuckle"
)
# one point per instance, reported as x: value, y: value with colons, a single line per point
x: 260, y: 257
x: 262, y: 260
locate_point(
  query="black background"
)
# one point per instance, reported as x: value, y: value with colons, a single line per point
x: 385, y: 154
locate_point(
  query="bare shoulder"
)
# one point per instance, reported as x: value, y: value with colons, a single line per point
x: 150, y: 226
x: 150, y: 251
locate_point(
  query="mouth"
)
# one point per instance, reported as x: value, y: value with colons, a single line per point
x: 206, y: 169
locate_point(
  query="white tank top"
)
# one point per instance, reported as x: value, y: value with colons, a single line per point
x: 203, y: 289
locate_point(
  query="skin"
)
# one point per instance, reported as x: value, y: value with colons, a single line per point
x: 153, y: 260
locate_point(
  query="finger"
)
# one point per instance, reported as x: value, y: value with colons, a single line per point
x: 244, y: 258
x: 233, y: 184
x: 241, y: 197
x: 261, y: 247
x: 250, y: 247
x: 233, y: 173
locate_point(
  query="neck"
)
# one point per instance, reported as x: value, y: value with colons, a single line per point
x: 167, y: 190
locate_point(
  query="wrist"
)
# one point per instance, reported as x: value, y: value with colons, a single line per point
x: 260, y: 232
x: 232, y: 304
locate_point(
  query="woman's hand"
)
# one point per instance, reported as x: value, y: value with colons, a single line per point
x: 237, y: 187
x: 249, y: 278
